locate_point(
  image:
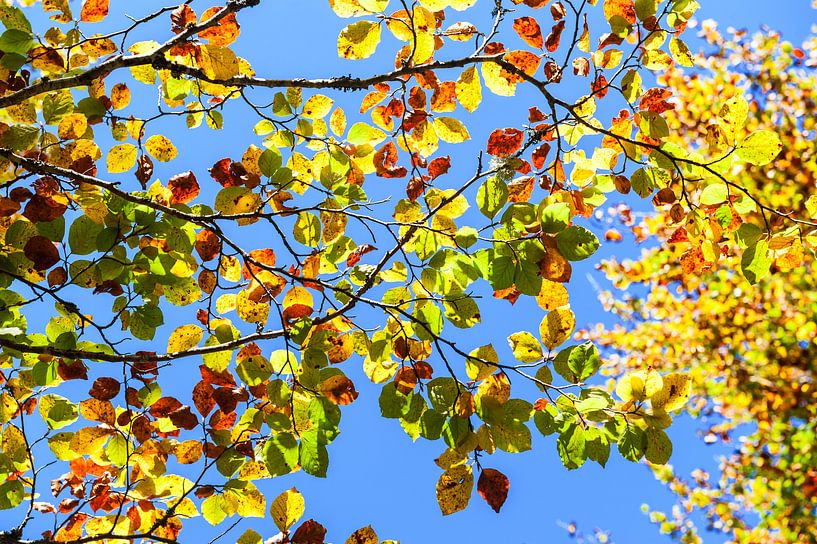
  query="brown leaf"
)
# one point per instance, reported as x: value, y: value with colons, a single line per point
x: 309, y: 532
x: 555, y: 36
x: 183, y: 187
x: 203, y: 398
x: 493, y: 486
x: 405, y: 380
x: 558, y: 12
x: 364, y: 535
x: 104, y: 388
x: 73, y: 369
x: 385, y: 161
x: 144, y: 170
x: 42, y: 252
x: 415, y: 187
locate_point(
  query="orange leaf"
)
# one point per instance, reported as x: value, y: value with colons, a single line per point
x: 222, y: 33
x: 528, y: 29
x: 339, y: 389
x: 504, y: 143
x: 94, y: 11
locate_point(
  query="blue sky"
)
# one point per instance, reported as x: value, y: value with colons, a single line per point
x: 377, y: 475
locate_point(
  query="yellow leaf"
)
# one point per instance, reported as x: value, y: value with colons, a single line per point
x: 551, y: 295
x: 338, y: 122
x: 287, y: 508
x: 557, y: 326
x: 358, y: 40
x: 121, y: 158
x: 317, y: 107
x: 639, y: 386
x: 675, y: 391
x: 451, y: 130
x: 364, y: 535
x: 72, y: 126
x: 184, y: 338
x: 249, y: 310
x: 469, y: 89
x: 496, y: 81
x: 161, y: 148
x: 454, y: 489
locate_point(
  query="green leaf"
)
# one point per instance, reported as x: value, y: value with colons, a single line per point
x: 313, y: 457
x: 576, y: 243
x: 577, y: 363
x: 659, y: 447
x: 631, y: 443
x: 11, y: 494
x: 361, y: 134
x: 280, y: 454
x: 760, y: 147
x: 756, y: 261
x: 307, y: 229
x: 82, y: 235
x: 555, y: 217
x: 571, y: 446
x: 714, y: 194
x: 492, y: 197
x: 57, y: 411
x: 16, y: 41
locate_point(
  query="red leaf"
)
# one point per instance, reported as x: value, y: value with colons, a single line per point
x: 358, y: 252
x: 385, y: 161
x: 504, y: 143
x: 493, y: 487
x: 439, y: 166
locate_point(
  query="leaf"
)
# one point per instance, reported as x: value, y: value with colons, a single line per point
x: 631, y: 443
x: 659, y: 447
x: 760, y: 147
x: 121, y: 158
x: 528, y: 29
x: 161, y: 148
x: 492, y: 196
x: 576, y: 243
x: 680, y: 52
x: 361, y: 134
x: 556, y: 327
x: 183, y: 187
x: 454, y: 489
x: 309, y: 532
x: 364, y: 535
x: 526, y: 347
x: 505, y: 142
x: 451, y: 130
x: 287, y: 509
x: 756, y: 261
x: 57, y: 411
x: 184, y: 338
x: 94, y: 11
x: 674, y: 393
x: 224, y: 32
x: 469, y: 89
x: 358, y: 40
x: 493, y: 486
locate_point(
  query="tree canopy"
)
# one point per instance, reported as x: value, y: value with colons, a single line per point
x: 354, y: 232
